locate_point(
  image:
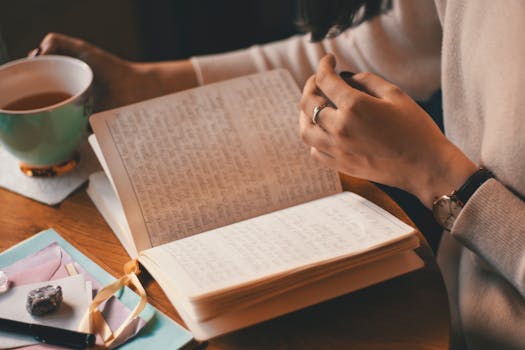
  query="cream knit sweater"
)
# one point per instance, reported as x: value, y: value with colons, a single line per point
x: 473, y: 51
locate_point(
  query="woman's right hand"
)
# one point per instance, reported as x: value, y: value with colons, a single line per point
x: 381, y: 135
x: 117, y: 82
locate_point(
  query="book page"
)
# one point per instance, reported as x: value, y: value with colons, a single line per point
x: 204, y: 158
x: 305, y: 235
x: 103, y: 195
x: 292, y: 300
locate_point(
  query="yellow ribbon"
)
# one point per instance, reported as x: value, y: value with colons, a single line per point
x: 93, y: 321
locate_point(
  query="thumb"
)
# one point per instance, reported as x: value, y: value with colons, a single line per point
x: 377, y: 86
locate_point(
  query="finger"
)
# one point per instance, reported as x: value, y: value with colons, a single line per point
x: 62, y: 44
x: 34, y: 52
x: 323, y: 158
x: 313, y: 135
x: 378, y: 86
x: 348, y: 78
x: 310, y: 88
x: 310, y: 97
x: 327, y: 117
x: 310, y: 100
x: 332, y: 85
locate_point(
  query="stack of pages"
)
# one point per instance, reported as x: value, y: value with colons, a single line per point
x: 214, y: 193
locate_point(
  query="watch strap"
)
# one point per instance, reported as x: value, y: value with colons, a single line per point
x: 472, y: 184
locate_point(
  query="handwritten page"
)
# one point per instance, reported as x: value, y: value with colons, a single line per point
x: 336, y: 226
x: 211, y: 156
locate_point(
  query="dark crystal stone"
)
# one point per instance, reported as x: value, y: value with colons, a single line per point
x: 43, y: 300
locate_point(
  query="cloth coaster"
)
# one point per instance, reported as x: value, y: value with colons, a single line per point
x: 48, y: 190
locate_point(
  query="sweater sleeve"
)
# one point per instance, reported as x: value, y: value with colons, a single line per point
x: 402, y: 45
x: 493, y: 217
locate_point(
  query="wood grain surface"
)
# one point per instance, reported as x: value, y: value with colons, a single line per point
x: 409, y: 312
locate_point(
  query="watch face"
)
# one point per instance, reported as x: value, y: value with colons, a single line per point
x: 445, y: 211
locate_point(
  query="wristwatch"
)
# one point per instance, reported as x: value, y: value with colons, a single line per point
x: 447, y: 208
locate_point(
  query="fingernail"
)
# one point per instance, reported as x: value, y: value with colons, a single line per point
x: 35, y: 52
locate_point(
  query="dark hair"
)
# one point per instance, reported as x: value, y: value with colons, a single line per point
x: 328, y: 18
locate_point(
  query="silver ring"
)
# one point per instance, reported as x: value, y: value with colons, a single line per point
x: 317, y: 110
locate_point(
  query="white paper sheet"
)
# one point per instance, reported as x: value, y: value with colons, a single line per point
x: 49, y: 191
x: 341, y: 225
x: 203, y: 158
x: 74, y: 305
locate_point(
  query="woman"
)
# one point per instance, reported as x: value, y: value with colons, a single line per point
x: 382, y: 135
x: 473, y: 51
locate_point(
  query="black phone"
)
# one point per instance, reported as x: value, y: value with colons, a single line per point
x: 347, y: 77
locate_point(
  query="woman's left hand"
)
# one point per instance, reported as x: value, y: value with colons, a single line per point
x: 380, y: 135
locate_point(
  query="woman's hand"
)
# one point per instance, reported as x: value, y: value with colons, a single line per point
x: 380, y: 135
x: 119, y: 82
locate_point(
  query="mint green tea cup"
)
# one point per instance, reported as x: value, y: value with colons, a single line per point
x: 45, y: 103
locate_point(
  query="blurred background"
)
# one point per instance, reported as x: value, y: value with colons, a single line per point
x: 154, y: 30
x: 148, y: 30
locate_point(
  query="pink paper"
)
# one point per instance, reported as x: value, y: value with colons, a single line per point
x: 49, y: 264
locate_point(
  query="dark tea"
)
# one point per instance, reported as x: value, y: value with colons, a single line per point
x: 36, y: 101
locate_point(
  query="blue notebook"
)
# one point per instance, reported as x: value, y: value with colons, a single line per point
x: 160, y: 333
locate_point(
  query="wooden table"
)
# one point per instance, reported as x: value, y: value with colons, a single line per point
x: 409, y: 312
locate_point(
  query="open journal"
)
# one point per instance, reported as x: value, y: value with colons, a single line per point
x: 215, y: 194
